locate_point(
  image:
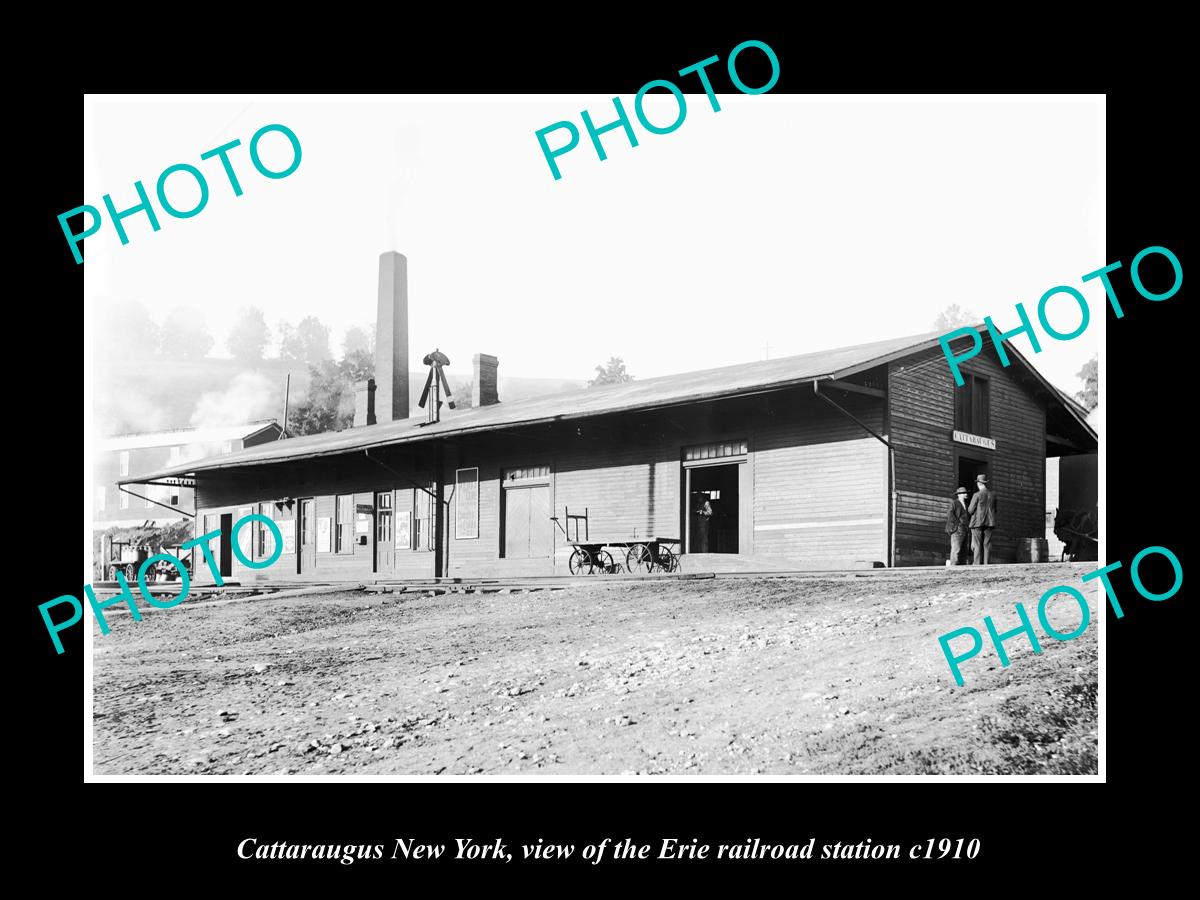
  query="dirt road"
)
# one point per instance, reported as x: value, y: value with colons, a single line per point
x: 829, y: 674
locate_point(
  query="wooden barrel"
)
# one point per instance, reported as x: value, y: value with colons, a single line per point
x: 1032, y: 550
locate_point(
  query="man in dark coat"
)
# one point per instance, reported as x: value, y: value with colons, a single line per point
x: 958, y: 526
x: 704, y: 514
x: 983, y: 520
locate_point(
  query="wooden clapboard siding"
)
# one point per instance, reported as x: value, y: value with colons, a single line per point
x: 815, y: 468
x: 630, y: 492
x: 921, y: 390
x: 815, y: 485
x: 808, y: 465
x: 323, y: 480
x: 629, y: 489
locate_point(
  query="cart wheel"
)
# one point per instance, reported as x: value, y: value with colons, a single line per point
x: 604, y: 563
x: 667, y: 560
x: 130, y: 572
x: 580, y: 562
x: 638, y: 559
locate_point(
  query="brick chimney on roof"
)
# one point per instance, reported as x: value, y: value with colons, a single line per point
x: 485, y: 391
x: 364, y: 403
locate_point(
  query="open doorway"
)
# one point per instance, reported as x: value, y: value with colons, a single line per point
x: 968, y: 469
x: 717, y: 533
x: 225, y: 555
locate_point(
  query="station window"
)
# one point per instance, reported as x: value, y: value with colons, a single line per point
x: 344, y: 524
x: 124, y: 463
x: 423, y: 521
x: 245, y: 536
x: 124, y: 500
x: 971, y: 405
x: 383, y: 519
x: 716, y: 451
x: 265, y: 545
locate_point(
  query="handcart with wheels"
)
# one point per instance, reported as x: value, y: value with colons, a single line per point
x: 595, y: 557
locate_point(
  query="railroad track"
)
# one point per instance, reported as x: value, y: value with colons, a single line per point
x: 233, y: 593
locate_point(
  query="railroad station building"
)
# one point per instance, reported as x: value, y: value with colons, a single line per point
x: 845, y: 458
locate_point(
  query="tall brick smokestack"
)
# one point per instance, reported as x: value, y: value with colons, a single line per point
x: 391, y: 339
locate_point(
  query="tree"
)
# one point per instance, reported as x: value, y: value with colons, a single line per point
x: 357, y: 365
x: 249, y: 335
x: 307, y: 342
x: 612, y: 372
x: 329, y: 404
x: 463, y: 394
x: 126, y: 327
x: 954, y: 316
x: 355, y: 339
x: 184, y: 334
x: 321, y: 409
x: 1090, y: 376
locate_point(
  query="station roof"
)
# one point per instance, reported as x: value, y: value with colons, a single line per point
x: 641, y: 394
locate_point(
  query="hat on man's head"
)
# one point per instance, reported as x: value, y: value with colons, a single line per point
x: 981, y: 478
x: 962, y: 490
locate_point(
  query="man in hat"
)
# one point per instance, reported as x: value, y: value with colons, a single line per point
x: 704, y: 514
x: 958, y: 524
x: 983, y: 520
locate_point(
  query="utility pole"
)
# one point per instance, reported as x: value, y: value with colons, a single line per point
x: 287, y: 389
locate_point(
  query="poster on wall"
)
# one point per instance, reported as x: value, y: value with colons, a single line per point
x: 324, y: 530
x: 404, y: 531
x: 287, y: 528
x: 362, y: 524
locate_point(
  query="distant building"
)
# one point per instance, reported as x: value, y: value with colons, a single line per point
x: 1072, y: 495
x: 130, y: 455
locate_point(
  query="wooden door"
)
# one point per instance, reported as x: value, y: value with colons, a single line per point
x: 306, y: 556
x: 540, y: 538
x: 385, y: 539
x: 527, y: 522
x: 225, y: 555
x: 516, y: 523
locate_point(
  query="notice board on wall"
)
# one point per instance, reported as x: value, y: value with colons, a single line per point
x: 466, y: 503
x: 404, y: 530
x: 287, y: 528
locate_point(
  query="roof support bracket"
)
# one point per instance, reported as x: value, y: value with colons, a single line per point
x: 175, y: 509
x: 380, y: 462
x: 845, y: 412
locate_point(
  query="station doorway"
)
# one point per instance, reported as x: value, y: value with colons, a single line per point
x: 223, y: 555
x: 719, y: 486
x: 968, y: 469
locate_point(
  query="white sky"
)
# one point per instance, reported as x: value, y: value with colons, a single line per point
x: 806, y: 223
